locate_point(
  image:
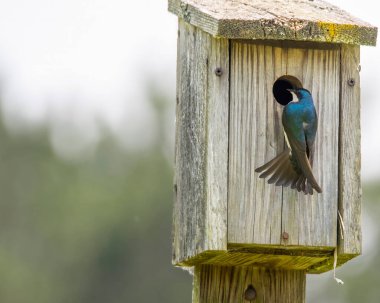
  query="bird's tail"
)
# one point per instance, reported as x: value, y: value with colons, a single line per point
x: 282, y: 173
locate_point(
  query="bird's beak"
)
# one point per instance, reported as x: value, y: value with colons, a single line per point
x: 291, y: 90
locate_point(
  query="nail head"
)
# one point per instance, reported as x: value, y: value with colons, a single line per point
x: 218, y: 71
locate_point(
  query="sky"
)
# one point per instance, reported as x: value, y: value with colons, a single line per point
x: 84, y: 65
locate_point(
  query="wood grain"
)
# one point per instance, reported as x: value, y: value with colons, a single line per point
x: 224, y: 284
x: 259, y: 213
x: 200, y: 185
x: 315, y: 222
x: 254, y: 209
x: 349, y: 166
x: 277, y: 20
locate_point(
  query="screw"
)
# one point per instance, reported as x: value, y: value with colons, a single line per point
x: 218, y: 71
x: 285, y: 235
x: 250, y: 293
x: 351, y: 82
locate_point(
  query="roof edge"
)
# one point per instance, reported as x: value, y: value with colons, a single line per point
x: 275, y: 29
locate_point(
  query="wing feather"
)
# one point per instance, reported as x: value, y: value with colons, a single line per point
x: 299, y: 151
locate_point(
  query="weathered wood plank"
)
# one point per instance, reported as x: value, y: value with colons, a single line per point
x: 217, y: 144
x: 278, y: 20
x: 312, y: 219
x: 200, y: 185
x: 254, y: 209
x: 349, y: 150
x: 259, y: 213
x: 225, y: 284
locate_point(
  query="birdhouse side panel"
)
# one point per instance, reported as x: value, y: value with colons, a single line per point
x: 201, y: 148
x: 258, y: 212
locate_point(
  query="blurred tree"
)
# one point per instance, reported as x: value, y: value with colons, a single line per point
x: 98, y: 230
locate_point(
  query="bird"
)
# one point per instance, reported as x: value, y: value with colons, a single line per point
x: 293, y: 166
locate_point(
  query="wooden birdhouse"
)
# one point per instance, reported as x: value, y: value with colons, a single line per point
x: 236, y: 60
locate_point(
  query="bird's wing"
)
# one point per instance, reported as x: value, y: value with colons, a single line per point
x: 280, y: 169
x: 299, y: 151
x: 310, y: 132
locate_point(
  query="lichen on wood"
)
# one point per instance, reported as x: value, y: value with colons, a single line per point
x: 278, y: 20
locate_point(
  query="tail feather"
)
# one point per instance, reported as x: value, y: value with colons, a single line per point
x: 309, y: 188
x: 304, y: 163
x: 286, y: 177
x: 290, y: 178
x: 300, y: 180
x: 294, y: 183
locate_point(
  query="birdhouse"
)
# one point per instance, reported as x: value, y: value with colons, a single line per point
x: 236, y: 61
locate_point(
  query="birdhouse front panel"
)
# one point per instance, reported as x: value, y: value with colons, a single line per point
x: 264, y: 214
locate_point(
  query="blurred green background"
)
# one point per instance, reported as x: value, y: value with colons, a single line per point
x: 86, y: 158
x: 97, y: 230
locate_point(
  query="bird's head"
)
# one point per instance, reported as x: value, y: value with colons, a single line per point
x: 300, y: 92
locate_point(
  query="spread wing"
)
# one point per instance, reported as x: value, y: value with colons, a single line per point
x: 280, y: 169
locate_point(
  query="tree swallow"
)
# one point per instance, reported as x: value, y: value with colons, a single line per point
x: 293, y: 167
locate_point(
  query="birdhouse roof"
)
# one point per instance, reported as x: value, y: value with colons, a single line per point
x: 303, y: 20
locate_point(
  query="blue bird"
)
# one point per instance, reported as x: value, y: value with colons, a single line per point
x: 293, y: 167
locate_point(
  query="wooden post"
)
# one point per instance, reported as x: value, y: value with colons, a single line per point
x: 247, y: 240
x: 241, y: 284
